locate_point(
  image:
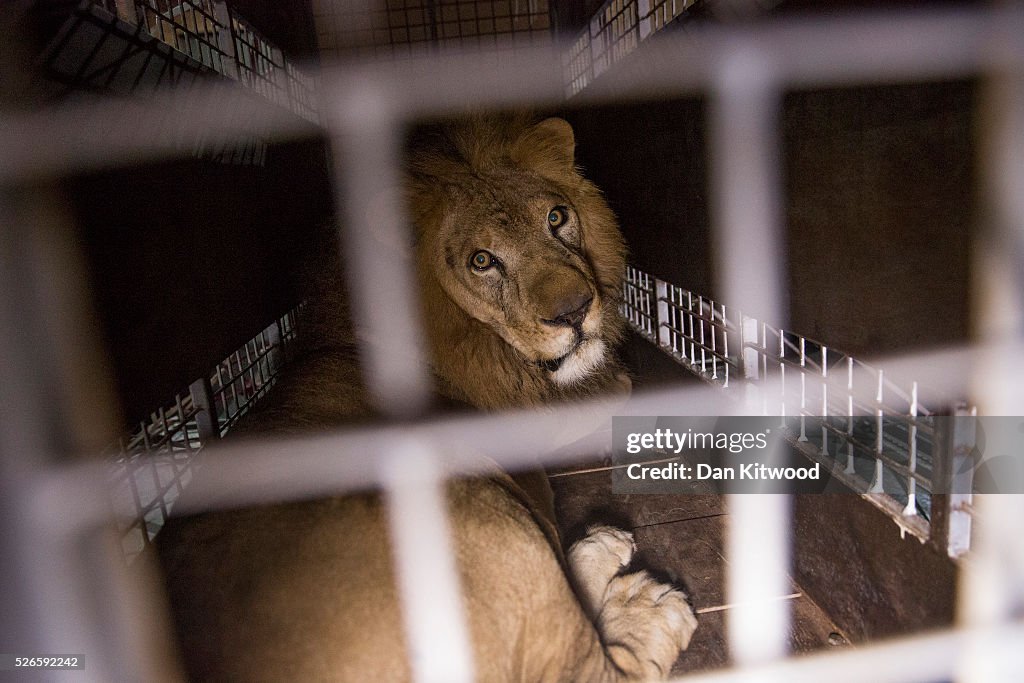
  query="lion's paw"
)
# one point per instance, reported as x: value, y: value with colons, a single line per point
x: 645, y: 624
x: 596, y: 559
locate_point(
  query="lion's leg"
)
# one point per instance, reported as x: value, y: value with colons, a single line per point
x: 595, y: 560
x: 643, y: 623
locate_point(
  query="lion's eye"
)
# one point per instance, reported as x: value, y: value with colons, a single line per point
x: 557, y: 217
x: 482, y: 260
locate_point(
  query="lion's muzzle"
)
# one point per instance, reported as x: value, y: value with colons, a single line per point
x: 562, y: 297
x: 571, y: 311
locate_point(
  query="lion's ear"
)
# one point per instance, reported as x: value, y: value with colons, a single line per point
x: 549, y: 146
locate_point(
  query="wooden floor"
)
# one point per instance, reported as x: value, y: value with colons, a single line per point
x: 679, y: 538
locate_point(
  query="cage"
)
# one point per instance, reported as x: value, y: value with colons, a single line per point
x: 823, y: 215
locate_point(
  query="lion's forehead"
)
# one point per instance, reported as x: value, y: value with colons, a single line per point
x: 509, y: 192
x: 503, y: 205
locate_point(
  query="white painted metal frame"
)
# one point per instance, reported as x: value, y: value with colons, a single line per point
x: 745, y: 68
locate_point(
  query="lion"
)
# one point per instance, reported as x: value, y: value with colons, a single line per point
x: 519, y: 261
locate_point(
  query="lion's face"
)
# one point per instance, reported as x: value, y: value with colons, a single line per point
x: 515, y: 241
x: 512, y: 257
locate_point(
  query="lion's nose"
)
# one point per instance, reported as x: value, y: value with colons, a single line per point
x: 572, y: 310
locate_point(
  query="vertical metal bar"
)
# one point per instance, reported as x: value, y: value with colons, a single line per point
x: 649, y: 319
x: 753, y: 358
x: 803, y: 390
x: 692, y: 336
x: 782, y: 375
x: 824, y: 400
x: 747, y: 239
x: 47, y: 364
x: 960, y: 482
x: 911, y: 507
x: 750, y: 358
x: 207, y: 422
x: 183, y: 428
x: 757, y: 574
x: 849, y: 419
x: 998, y: 272
x: 638, y: 294
x: 664, y: 322
x: 725, y: 344
x: 763, y: 351
x: 714, y: 345
x: 877, y: 482
x: 745, y: 173
x: 992, y: 583
x: 438, y: 642
x: 377, y: 242
x: 703, y: 343
x: 376, y: 239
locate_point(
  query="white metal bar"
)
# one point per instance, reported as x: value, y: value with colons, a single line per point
x: 377, y: 241
x: 241, y: 474
x: 992, y: 583
x: 744, y: 173
x: 911, y: 507
x: 757, y: 546
x: 998, y: 272
x: 804, y: 53
x: 824, y: 400
x: 725, y: 345
x: 666, y: 317
x: 747, y: 242
x: 428, y: 580
x: 252, y: 473
x: 919, y: 659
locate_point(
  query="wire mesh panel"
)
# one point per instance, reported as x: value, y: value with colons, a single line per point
x: 657, y: 14
x: 695, y: 331
x: 151, y: 470
x: 247, y: 375
x: 260, y: 64
x: 614, y: 31
x: 152, y: 466
x: 301, y: 92
x: 219, y: 39
x: 401, y: 28
x: 189, y: 26
x: 886, y: 446
x: 638, y: 298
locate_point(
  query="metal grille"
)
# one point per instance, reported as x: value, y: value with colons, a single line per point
x: 402, y: 28
x: 615, y: 31
x: 219, y: 39
x: 247, y: 375
x: 875, y: 435
x: 189, y: 26
x: 745, y: 79
x: 301, y: 89
x: 657, y: 14
x: 155, y: 463
x: 260, y: 65
x: 151, y: 470
x: 638, y: 302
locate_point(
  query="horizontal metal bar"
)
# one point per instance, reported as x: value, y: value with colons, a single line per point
x: 934, y: 657
x: 800, y: 53
x: 249, y: 473
x: 78, y: 137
